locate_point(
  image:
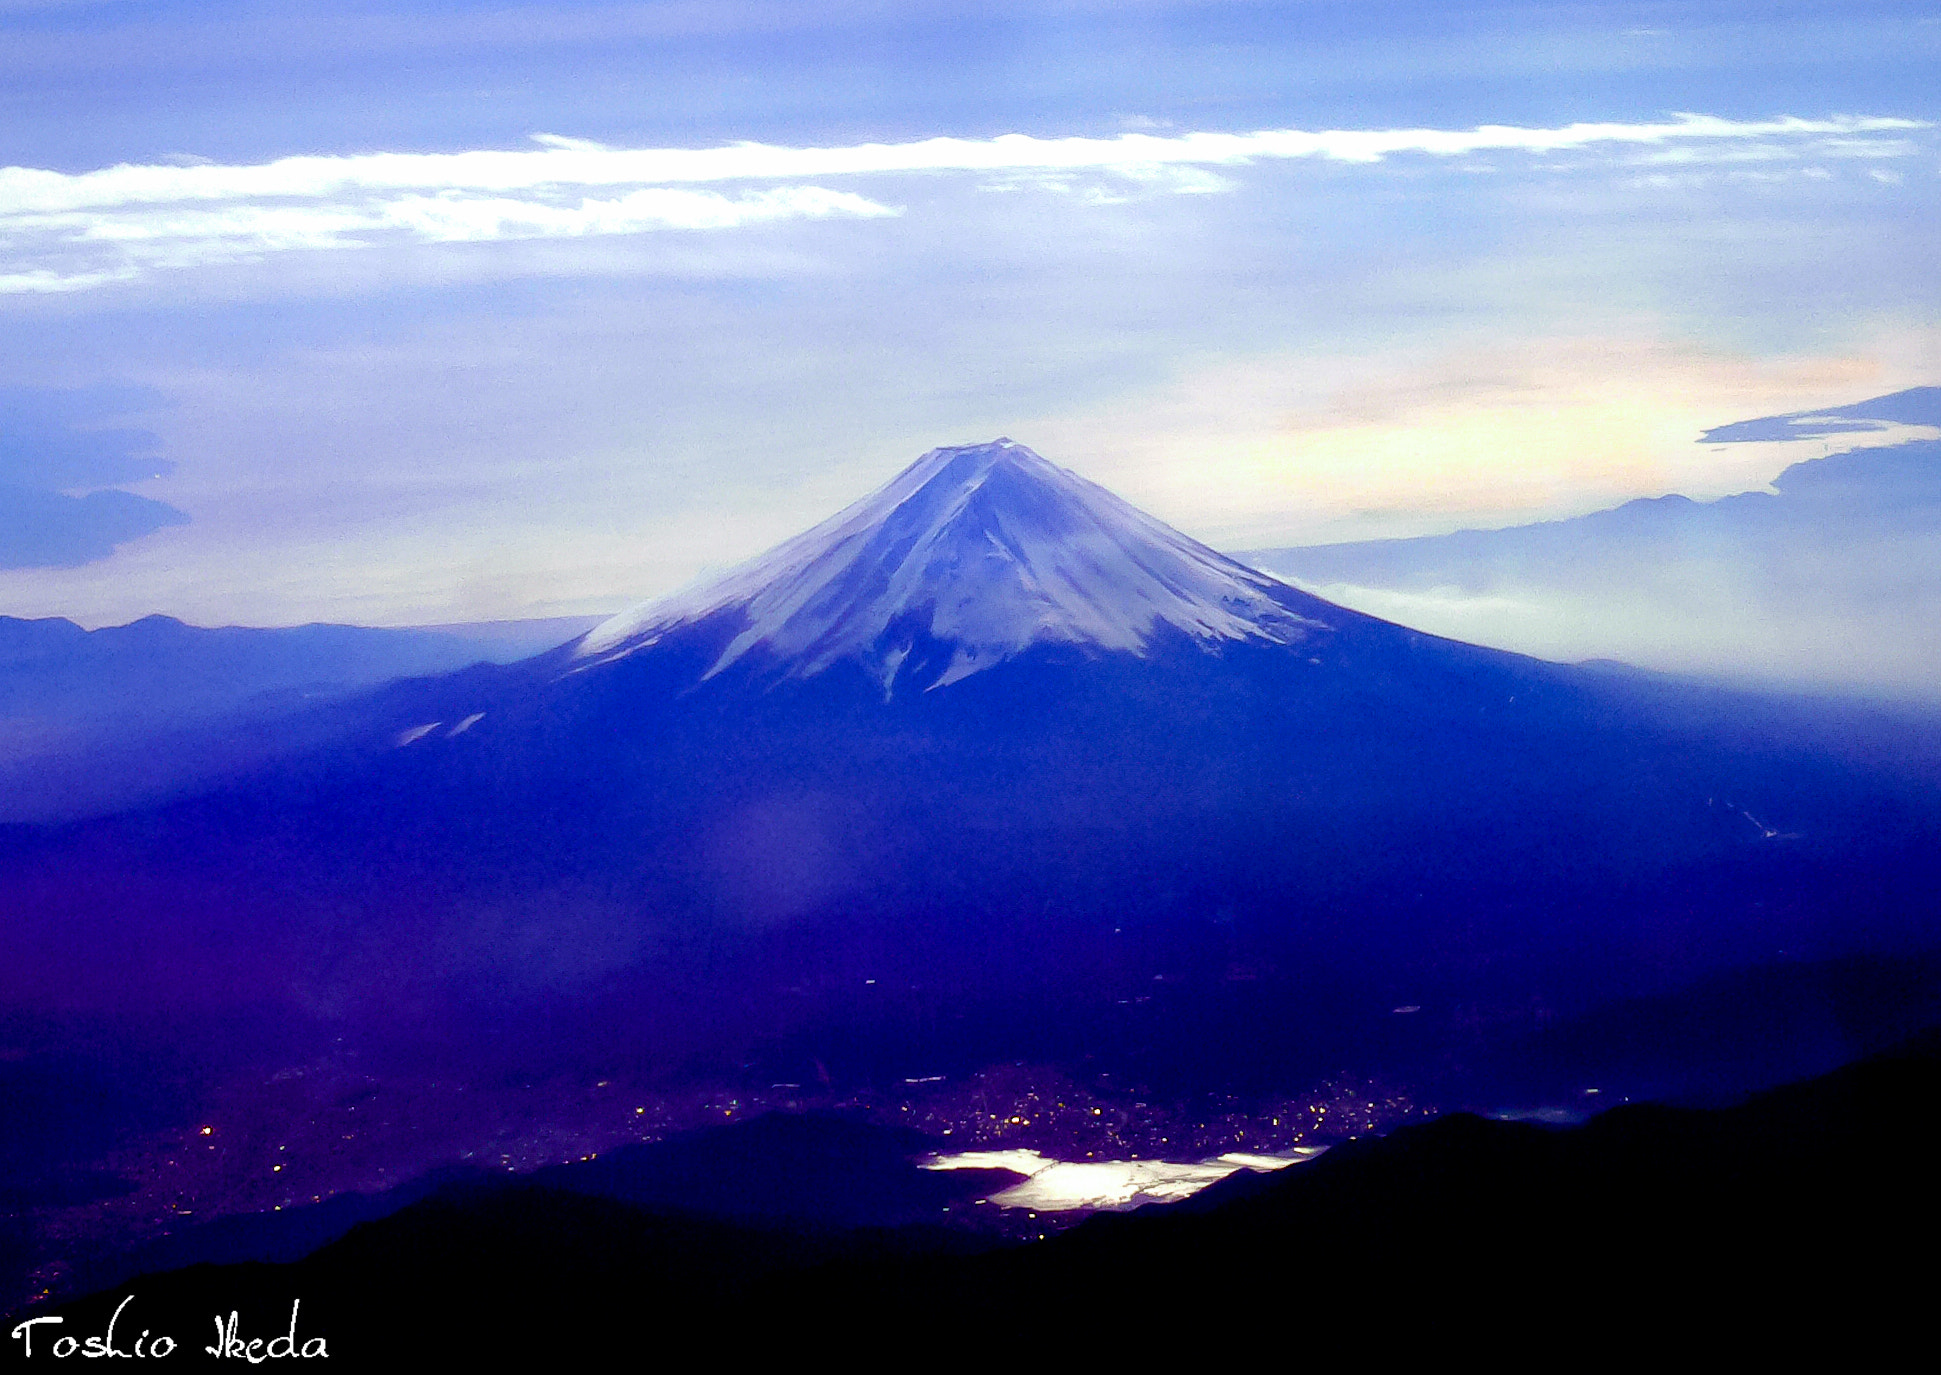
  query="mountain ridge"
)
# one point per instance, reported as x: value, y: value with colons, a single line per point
x: 95, y: 721
x: 1824, y: 580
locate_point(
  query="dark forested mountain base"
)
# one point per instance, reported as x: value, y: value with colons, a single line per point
x: 1804, y: 1214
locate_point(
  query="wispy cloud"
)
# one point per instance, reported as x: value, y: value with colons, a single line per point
x: 1864, y: 148
x: 77, y: 249
x: 62, y: 231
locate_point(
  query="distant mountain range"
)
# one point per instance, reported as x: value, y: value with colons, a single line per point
x: 1832, y: 578
x: 100, y: 720
x: 1827, y: 580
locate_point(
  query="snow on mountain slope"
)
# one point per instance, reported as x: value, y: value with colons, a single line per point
x: 984, y: 549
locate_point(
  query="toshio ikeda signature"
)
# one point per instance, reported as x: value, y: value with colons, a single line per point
x: 230, y: 1340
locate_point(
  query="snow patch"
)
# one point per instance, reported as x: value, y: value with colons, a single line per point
x: 985, y: 549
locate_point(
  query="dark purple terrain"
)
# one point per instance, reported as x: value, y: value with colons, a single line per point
x: 988, y: 770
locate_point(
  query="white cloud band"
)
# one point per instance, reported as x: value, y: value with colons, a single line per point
x: 65, y: 231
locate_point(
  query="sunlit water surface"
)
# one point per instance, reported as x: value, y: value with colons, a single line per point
x: 1053, y: 1186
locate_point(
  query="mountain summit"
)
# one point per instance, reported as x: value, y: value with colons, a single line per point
x: 968, y: 557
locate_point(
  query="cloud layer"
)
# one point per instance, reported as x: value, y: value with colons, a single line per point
x: 62, y: 231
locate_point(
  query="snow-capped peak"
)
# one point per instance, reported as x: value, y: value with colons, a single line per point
x: 981, y: 551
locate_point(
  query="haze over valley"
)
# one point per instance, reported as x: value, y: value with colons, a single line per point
x: 1822, y: 580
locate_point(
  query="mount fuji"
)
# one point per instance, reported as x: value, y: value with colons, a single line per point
x: 988, y: 765
x: 969, y: 557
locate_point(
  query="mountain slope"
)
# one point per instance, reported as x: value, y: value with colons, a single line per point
x: 1178, y: 813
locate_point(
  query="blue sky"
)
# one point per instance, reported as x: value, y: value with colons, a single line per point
x: 418, y: 313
